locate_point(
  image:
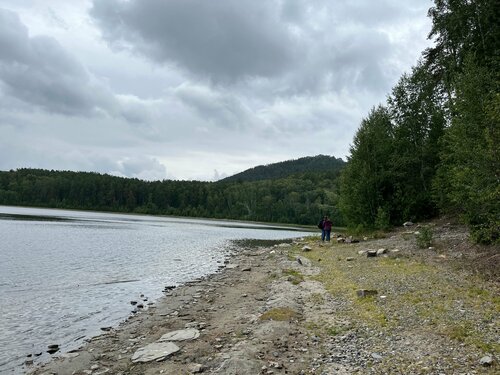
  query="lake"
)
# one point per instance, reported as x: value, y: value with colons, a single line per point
x: 65, y: 274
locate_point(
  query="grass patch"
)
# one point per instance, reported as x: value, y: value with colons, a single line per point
x: 295, y: 277
x: 280, y: 314
x: 321, y: 329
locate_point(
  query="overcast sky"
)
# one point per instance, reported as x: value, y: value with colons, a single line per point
x: 195, y: 89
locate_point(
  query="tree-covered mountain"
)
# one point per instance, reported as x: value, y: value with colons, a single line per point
x: 319, y: 163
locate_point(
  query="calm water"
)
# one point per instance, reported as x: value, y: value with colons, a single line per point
x: 64, y: 274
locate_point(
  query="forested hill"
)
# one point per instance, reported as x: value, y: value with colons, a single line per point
x: 319, y: 163
x: 297, y: 199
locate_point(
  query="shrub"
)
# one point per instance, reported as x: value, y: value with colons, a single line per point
x: 424, y: 238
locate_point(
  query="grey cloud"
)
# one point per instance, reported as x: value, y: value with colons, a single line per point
x: 222, y: 109
x: 295, y: 46
x: 222, y: 40
x: 39, y: 71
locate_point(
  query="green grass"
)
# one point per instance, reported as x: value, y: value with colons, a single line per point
x: 280, y: 314
x: 295, y: 277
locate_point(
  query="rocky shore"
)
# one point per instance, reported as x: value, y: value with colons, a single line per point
x: 378, y: 306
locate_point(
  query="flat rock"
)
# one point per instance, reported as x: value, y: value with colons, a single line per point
x: 371, y: 253
x: 181, y: 335
x: 306, y: 248
x: 156, y: 351
x: 407, y: 224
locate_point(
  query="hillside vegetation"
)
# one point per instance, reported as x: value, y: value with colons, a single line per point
x: 298, y: 198
x: 320, y: 163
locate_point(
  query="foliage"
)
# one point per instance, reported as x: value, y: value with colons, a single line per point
x: 424, y: 237
x: 434, y: 147
x: 365, y: 183
x: 319, y: 163
x: 298, y: 199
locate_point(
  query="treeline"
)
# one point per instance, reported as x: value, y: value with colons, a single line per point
x: 300, y: 198
x: 433, y: 148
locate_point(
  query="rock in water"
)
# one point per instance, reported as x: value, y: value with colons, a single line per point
x: 181, y: 335
x: 156, y: 351
x: 53, y: 348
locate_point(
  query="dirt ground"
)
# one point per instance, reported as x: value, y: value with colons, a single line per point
x: 329, y: 309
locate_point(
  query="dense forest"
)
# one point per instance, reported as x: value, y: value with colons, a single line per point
x: 299, y: 198
x: 319, y: 163
x: 433, y: 148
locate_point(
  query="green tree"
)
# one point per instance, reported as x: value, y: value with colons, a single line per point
x: 365, y: 183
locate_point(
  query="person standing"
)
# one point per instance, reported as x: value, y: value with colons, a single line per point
x: 321, y: 225
x: 327, y: 228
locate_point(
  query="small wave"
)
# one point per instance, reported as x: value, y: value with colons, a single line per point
x: 117, y: 282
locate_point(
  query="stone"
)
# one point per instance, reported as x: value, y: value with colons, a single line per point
x: 371, y: 253
x: 486, y: 361
x: 376, y: 356
x: 381, y: 251
x: 133, y: 303
x: 349, y: 259
x: 246, y: 269
x: 340, y: 239
x: 196, y: 368
x: 181, y: 335
x: 53, y: 348
x: 407, y: 224
x: 306, y: 248
x: 157, y: 351
x: 231, y: 266
x: 366, y: 293
x: 362, y: 252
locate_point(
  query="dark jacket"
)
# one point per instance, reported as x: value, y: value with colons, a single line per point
x: 327, y: 224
